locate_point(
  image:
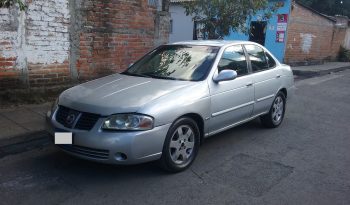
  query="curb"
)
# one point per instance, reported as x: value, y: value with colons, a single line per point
x: 306, y: 73
x: 22, y: 143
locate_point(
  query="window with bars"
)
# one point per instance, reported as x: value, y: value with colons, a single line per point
x: 156, y: 3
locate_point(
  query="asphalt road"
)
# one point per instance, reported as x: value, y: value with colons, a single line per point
x: 305, y: 161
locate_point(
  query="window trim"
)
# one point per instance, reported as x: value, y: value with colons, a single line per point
x: 171, y: 26
x: 272, y: 59
x: 250, y: 63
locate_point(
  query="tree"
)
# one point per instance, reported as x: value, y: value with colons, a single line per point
x: 8, y: 3
x: 219, y: 17
x: 329, y: 7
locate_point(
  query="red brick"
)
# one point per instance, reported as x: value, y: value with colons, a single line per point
x: 325, y: 43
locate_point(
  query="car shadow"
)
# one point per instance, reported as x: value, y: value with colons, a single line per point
x: 73, y: 167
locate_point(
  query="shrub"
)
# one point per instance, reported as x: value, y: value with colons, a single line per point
x: 8, y: 3
x: 344, y: 55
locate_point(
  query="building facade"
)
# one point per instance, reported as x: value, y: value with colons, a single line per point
x: 295, y: 34
x: 314, y: 37
x: 271, y: 33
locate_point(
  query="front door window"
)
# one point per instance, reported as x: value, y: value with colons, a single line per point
x: 233, y: 58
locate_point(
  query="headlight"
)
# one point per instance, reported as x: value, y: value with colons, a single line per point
x: 128, y: 122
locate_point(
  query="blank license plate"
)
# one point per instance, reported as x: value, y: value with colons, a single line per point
x: 63, y: 138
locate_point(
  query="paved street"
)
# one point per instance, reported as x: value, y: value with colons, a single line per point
x: 305, y: 161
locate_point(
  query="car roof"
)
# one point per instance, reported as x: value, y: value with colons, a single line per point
x: 219, y: 43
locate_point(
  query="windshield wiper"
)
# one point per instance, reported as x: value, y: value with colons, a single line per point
x: 161, y: 77
x: 136, y: 74
x: 150, y: 75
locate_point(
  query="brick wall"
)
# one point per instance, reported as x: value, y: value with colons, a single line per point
x: 59, y: 42
x: 9, y: 75
x: 311, y: 37
x: 115, y: 34
x: 34, y: 45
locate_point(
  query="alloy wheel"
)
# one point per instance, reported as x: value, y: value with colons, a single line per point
x: 277, y: 110
x: 182, y: 144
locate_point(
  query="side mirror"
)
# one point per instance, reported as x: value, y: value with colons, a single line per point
x: 225, y: 75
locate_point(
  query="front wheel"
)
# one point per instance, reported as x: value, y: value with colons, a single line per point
x: 275, y: 116
x: 181, y: 145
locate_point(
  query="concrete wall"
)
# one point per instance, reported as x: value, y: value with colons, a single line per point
x: 312, y: 38
x: 182, y: 24
x: 62, y: 42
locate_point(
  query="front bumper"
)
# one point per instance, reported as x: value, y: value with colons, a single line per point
x: 107, y: 146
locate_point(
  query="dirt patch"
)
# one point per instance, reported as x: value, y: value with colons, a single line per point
x: 17, y: 97
x: 249, y: 175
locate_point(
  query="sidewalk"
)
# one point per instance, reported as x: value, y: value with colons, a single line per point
x: 316, y: 70
x: 17, y: 123
x: 27, y: 122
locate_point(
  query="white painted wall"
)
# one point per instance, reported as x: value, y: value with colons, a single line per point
x: 38, y: 36
x: 47, y: 37
x: 347, y: 39
x: 306, y: 42
x: 182, y: 24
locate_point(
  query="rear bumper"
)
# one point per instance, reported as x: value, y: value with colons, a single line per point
x: 106, y: 147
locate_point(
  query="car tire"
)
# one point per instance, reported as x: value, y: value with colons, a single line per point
x: 181, y: 145
x: 275, y: 116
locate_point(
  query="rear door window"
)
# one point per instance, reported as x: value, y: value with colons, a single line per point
x: 257, y: 58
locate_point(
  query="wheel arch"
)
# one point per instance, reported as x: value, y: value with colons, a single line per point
x: 284, y: 91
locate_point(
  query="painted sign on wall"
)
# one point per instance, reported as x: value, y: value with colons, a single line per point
x: 281, y: 30
x: 280, y: 36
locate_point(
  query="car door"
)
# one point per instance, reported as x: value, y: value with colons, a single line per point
x: 231, y: 101
x: 267, y: 78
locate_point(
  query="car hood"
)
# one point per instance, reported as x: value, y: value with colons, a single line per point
x: 118, y: 93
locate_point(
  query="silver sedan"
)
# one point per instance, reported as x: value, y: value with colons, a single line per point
x: 165, y: 104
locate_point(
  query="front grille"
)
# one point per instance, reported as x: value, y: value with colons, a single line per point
x: 86, y: 151
x: 81, y: 120
x: 61, y: 116
x: 86, y: 121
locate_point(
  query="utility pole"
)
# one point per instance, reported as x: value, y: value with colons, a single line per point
x: 341, y: 7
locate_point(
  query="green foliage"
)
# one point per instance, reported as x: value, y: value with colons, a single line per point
x: 329, y: 7
x: 8, y: 3
x: 219, y: 17
x: 344, y: 55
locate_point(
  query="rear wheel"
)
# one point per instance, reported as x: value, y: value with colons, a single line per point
x: 275, y: 116
x: 181, y: 145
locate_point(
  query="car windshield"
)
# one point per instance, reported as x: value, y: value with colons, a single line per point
x: 176, y: 62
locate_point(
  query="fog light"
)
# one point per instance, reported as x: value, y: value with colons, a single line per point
x: 120, y: 156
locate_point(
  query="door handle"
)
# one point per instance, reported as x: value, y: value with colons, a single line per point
x: 249, y: 84
x: 278, y: 76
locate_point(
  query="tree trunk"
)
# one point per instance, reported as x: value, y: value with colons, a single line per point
x: 212, y: 34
